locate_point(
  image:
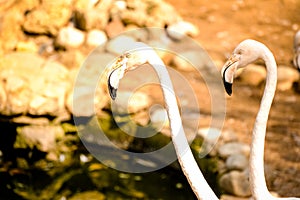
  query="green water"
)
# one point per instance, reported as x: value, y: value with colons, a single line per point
x: 27, y: 174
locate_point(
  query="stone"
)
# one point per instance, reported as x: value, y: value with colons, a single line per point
x: 159, y: 119
x: 27, y: 46
x: 160, y: 14
x: 11, y: 35
x: 72, y: 59
x: 139, y: 12
x: 96, y: 37
x: 182, y: 29
x: 32, y: 121
x: 92, y: 15
x: 210, y: 140
x: 32, y: 85
x: 114, y: 28
x: 228, y: 136
x: 128, y: 102
x: 42, y: 137
x: 237, y: 162
x: 48, y: 17
x: 253, y: 74
x: 190, y: 60
x: 236, y: 183
x: 286, y: 76
x: 231, y: 148
x: 232, y: 197
x: 69, y: 37
x: 120, y: 44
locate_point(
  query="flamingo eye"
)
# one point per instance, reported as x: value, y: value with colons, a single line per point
x: 240, y: 52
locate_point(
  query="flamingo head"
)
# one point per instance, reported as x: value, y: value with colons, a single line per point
x: 245, y: 53
x: 119, y: 68
x: 126, y: 62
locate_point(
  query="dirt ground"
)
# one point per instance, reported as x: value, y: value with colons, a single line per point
x: 222, y: 25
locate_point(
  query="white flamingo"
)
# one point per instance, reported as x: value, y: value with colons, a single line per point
x: 245, y: 53
x: 145, y: 54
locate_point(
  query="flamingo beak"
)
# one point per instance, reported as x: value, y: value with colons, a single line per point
x: 228, y: 71
x: 119, y: 69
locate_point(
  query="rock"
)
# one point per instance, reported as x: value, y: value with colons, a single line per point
x: 120, y: 44
x: 69, y: 37
x: 13, y: 13
x: 231, y: 148
x: 31, y: 121
x: 28, y: 46
x: 48, y: 17
x: 139, y: 12
x: 96, y: 38
x: 92, y: 15
x: 286, y: 76
x: 236, y: 183
x: 181, y: 29
x: 42, y: 137
x: 114, y: 28
x: 85, y: 4
x: 88, y: 195
x: 209, y: 134
x: 72, y: 59
x: 159, y: 119
x: 228, y: 136
x: 128, y: 102
x: 160, y: 14
x: 190, y: 60
x: 211, y: 137
x: 86, y: 80
x: 32, y: 85
x: 231, y: 197
x: 237, y: 162
x: 253, y: 74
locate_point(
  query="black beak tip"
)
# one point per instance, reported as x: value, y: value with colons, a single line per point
x: 228, y: 87
x: 112, y: 92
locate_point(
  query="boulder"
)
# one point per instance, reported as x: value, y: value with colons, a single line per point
x: 236, y: 183
x: 253, y: 74
x: 48, y: 17
x: 69, y: 37
x: 181, y: 29
x: 120, y: 44
x: 96, y: 37
x: 90, y: 15
x: 286, y: 76
x: 237, y: 162
x: 32, y: 85
x: 128, y: 102
x: 42, y: 137
x: 232, y: 148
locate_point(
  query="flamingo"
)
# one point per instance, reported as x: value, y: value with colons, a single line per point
x: 145, y: 54
x: 245, y: 53
x: 296, y: 59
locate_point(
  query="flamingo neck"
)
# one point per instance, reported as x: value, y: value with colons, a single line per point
x: 185, y: 157
x: 257, y: 175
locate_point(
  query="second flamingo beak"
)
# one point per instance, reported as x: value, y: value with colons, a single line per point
x: 228, y: 72
x: 118, y: 70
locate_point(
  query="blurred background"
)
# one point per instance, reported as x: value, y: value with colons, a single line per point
x: 44, y: 44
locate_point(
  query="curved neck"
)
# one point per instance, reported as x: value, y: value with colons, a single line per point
x: 257, y: 176
x: 185, y: 157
